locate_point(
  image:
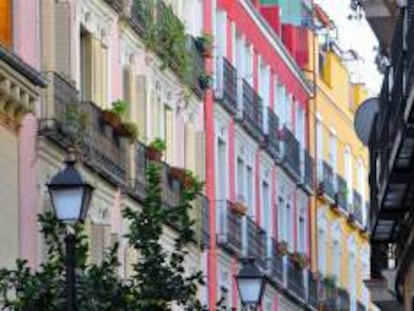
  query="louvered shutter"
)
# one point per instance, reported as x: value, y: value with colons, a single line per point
x: 141, y: 104
x: 190, y: 145
x: 200, y: 160
x: 63, y: 39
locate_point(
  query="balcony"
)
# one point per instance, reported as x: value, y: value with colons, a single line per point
x: 295, y: 280
x: 272, y: 140
x: 256, y: 242
x: 342, y: 193
x: 205, y: 232
x: 313, y: 286
x: 141, y: 16
x: 80, y: 125
x: 226, y: 90
x: 276, y: 263
x: 291, y: 154
x: 327, y: 184
x: 307, y: 170
x: 230, y: 227
x: 251, y: 111
x: 358, y: 207
x: 198, y: 67
x: 139, y: 183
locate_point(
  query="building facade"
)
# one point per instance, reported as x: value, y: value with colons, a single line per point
x: 390, y: 146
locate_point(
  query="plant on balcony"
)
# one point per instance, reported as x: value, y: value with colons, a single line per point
x: 177, y: 173
x: 113, y: 116
x: 190, y: 179
x: 204, y: 44
x: 282, y: 248
x: 167, y: 37
x: 300, y: 259
x: 155, y: 149
x: 76, y: 123
x: 330, y: 281
x: 129, y: 130
x: 205, y: 81
x: 239, y: 206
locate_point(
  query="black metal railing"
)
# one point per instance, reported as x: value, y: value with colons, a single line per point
x: 79, y: 125
x: 252, y: 111
x: 295, y: 279
x: 272, y: 140
x: 197, y: 69
x: 291, y: 153
x: 226, y: 92
x: 358, y: 206
x: 230, y: 227
x: 256, y: 242
x: 327, y: 184
x: 307, y: 169
x: 276, y: 263
x: 360, y: 307
x: 205, y: 232
x: 342, y: 192
x: 343, y: 300
x: 313, y: 286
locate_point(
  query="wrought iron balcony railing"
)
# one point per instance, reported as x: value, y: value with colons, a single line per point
x: 272, y: 139
x: 252, y: 111
x: 226, y: 91
x: 230, y: 227
x: 327, y: 184
x: 343, y: 299
x: 295, y: 279
x: 198, y: 66
x: 276, y: 263
x: 256, y: 242
x: 291, y: 153
x: 313, y: 286
x: 358, y: 207
x: 307, y: 169
x: 342, y: 193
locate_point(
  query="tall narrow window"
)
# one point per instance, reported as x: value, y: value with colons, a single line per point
x: 322, y: 251
x: 280, y: 104
x: 336, y: 259
x: 300, y: 125
x: 86, y: 65
x: 248, y: 62
x: 221, y: 170
x: 348, y: 173
x: 266, y: 213
x: 249, y: 190
x: 319, y: 147
x: 240, y: 180
x: 281, y: 219
x: 302, y: 234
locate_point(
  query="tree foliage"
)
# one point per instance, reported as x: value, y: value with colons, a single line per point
x: 159, y: 277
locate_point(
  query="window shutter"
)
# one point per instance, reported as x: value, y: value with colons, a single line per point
x: 141, y: 104
x: 63, y: 39
x: 200, y: 161
x: 169, y: 134
x: 189, y: 147
x: 97, y: 243
x: 105, y: 76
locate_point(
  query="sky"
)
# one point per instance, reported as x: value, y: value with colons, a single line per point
x: 357, y: 35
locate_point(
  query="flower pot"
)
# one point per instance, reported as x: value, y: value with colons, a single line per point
x: 177, y: 173
x: 153, y: 154
x: 239, y: 208
x: 282, y: 248
x: 112, y: 118
x: 188, y: 182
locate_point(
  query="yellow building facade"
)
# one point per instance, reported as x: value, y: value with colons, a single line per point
x: 340, y: 207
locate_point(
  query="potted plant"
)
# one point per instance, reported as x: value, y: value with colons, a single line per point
x: 155, y: 149
x: 113, y: 116
x: 204, y: 44
x: 330, y: 281
x: 190, y: 180
x: 300, y: 259
x: 129, y: 130
x: 75, y: 125
x: 239, y: 206
x: 177, y: 173
x: 282, y: 247
x: 205, y: 80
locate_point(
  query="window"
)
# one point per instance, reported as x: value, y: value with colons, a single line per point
x: 240, y: 180
x: 266, y: 212
x: 319, y: 148
x: 221, y: 32
x: 348, y: 173
x: 86, y: 65
x: 336, y: 255
x: 281, y: 219
x: 280, y: 103
x: 352, y: 281
x: 333, y: 157
x: 221, y: 170
x: 322, y: 251
x: 290, y: 226
x: 248, y: 63
x: 300, y: 125
x: 302, y: 234
x: 264, y: 83
x: 249, y: 190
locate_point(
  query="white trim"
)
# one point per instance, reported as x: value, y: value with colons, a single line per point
x: 276, y: 43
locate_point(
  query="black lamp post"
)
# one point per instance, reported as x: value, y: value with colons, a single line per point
x: 70, y: 196
x: 251, y: 284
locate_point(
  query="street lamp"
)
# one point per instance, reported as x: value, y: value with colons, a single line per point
x: 70, y: 196
x: 251, y: 284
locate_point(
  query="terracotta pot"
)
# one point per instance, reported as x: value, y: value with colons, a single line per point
x: 112, y: 118
x: 153, y: 154
x: 239, y: 208
x: 177, y: 173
